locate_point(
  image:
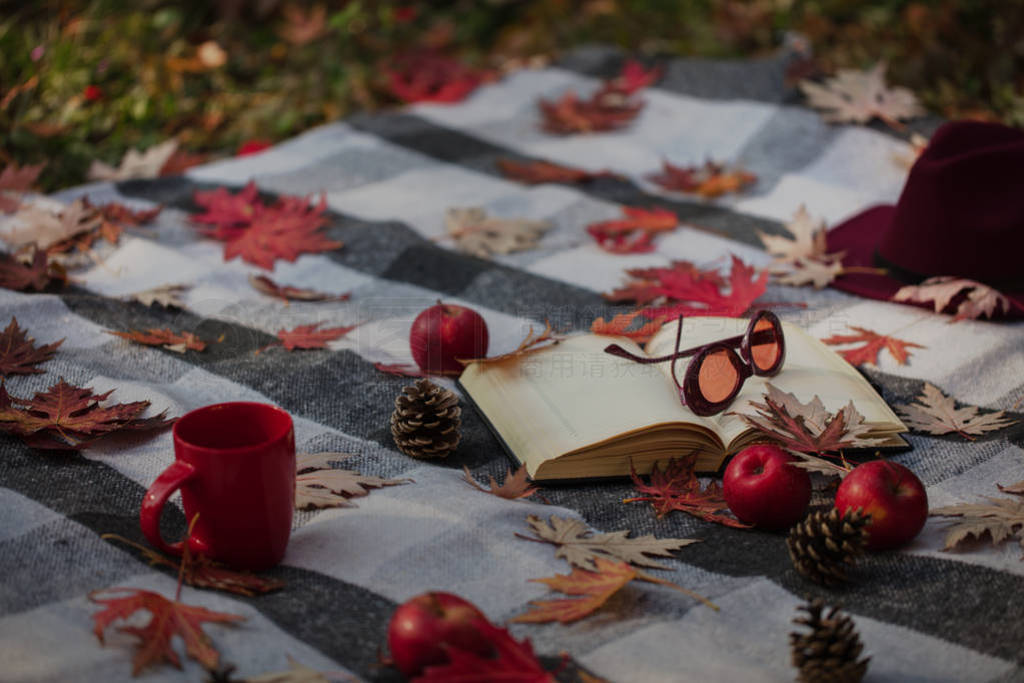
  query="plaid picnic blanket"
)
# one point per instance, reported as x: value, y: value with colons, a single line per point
x: 388, y: 178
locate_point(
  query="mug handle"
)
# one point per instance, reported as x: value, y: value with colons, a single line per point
x: 169, y: 481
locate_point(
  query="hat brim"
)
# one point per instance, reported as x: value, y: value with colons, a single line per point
x: 857, y: 238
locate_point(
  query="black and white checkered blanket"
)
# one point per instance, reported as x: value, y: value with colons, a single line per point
x: 388, y: 178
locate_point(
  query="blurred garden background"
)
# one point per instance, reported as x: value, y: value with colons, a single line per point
x: 85, y: 81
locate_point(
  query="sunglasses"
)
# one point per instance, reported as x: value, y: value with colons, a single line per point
x: 716, y: 374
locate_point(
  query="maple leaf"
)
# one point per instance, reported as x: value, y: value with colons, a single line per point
x: 815, y: 272
x: 135, y: 164
x: 710, y: 180
x: 122, y: 215
x: 808, y: 427
x: 859, y: 96
x: 530, y: 344
x: 310, y: 337
x: 511, y: 661
x: 15, y: 180
x: 979, y: 300
x: 167, y: 296
x: 595, y: 586
x: 426, y: 76
x: 168, y: 618
x: 516, y: 485
x: 540, y: 171
x: 224, y: 209
x: 605, y: 111
x: 38, y: 273
x: 1000, y: 518
x: 264, y: 284
x: 935, y: 413
x: 66, y: 417
x: 18, y: 353
x: 481, y: 235
x: 181, y: 161
x: 873, y: 343
x: 319, y: 485
x: 581, y: 547
x: 813, y: 463
x: 46, y: 229
x: 633, y: 234
x: 677, y: 488
x: 172, y: 341
x: 303, y: 27
x: 623, y: 325
x: 808, y: 240
x: 633, y: 78
x: 678, y: 280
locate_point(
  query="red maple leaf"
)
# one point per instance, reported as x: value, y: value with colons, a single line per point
x: 634, y: 77
x: 603, y: 112
x: 18, y: 353
x: 710, y: 180
x: 181, y: 161
x: 66, y: 417
x: 512, y: 661
x: 634, y: 233
x: 633, y: 325
x: 540, y: 171
x: 873, y: 345
x: 174, y: 341
x: 168, y: 618
x: 426, y: 76
x: 310, y: 337
x: 677, y: 488
x: 37, y: 274
x: 20, y: 179
x: 225, y: 209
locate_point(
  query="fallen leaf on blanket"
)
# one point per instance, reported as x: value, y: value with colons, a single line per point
x: 808, y: 427
x: 481, y: 235
x: 181, y: 161
x: 595, y: 587
x: 516, y: 485
x: 627, y: 325
x: 45, y: 229
x: 19, y: 354
x: 166, y: 338
x: 400, y: 369
x: 38, y: 272
x: 168, y: 618
x: 634, y: 233
x: 978, y: 300
x: 310, y: 336
x: 814, y: 272
x: 531, y: 343
x: 319, y: 485
x: 678, y: 280
x: 226, y: 210
x: 710, y: 180
x: 427, y: 76
x: 122, y: 215
x: 512, y: 661
x: 808, y: 238
x: 872, y: 344
x: 15, y: 180
x: 677, y: 488
x: 302, y: 27
x: 167, y: 296
x: 604, y: 111
x: 540, y: 171
x: 296, y: 673
x: 858, y: 96
x: 581, y: 547
x: 66, y: 417
x: 813, y: 463
x: 1017, y: 488
x: 935, y: 413
x: 633, y: 78
x: 264, y: 284
x: 1000, y: 518
x: 135, y: 164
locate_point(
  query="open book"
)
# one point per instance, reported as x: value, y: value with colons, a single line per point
x: 572, y: 411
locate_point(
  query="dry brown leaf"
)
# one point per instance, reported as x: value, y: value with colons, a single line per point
x: 818, y: 274
x: 43, y: 228
x: 581, y: 547
x: 516, y: 484
x: 871, y: 344
x: 936, y: 413
x: 167, y: 296
x: 808, y: 240
x: 165, y: 338
x: 286, y: 293
x: 813, y: 463
x: 135, y: 164
x: 859, y: 96
x: 481, y: 235
x: 1013, y: 488
x: 1000, y: 518
x: 296, y: 673
x: 531, y: 343
x: 981, y: 300
x: 318, y: 485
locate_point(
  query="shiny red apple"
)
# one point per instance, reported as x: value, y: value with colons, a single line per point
x: 763, y: 488
x: 421, y: 627
x: 444, y: 333
x: 893, y: 496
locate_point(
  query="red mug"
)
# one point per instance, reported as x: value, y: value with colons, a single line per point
x: 235, y: 466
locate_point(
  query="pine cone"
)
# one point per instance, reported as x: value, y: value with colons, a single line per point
x: 828, y: 654
x: 825, y: 543
x: 426, y: 420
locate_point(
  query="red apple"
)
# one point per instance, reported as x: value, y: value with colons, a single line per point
x: 422, y: 626
x: 445, y: 332
x: 762, y: 487
x: 893, y: 496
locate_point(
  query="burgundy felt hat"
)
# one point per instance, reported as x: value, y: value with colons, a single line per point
x: 961, y: 213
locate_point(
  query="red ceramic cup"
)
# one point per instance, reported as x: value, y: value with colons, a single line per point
x: 235, y: 466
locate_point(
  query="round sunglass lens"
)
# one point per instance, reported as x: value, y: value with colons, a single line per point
x: 717, y: 377
x: 764, y: 346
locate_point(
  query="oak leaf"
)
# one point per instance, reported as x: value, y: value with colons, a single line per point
x: 605, y: 111
x: 873, y: 343
x: 710, y: 180
x: 427, y: 76
x: 978, y: 300
x: 808, y: 238
x: 540, y: 171
x: 18, y: 353
x: 935, y: 413
x: 511, y: 661
x: 135, y: 164
x: 45, y: 229
x: 516, y: 485
x: 632, y: 234
x: 581, y: 547
x: 595, y: 587
x: 808, y: 427
x: 859, y: 96
x: 319, y: 485
x: 167, y: 296
x: 264, y: 284
x: 166, y: 338
x: 302, y: 27
x: 481, y: 235
x: 37, y: 273
x: 310, y: 336
x: 531, y: 343
x: 677, y: 488
x: 625, y: 325
x: 168, y: 618
x: 1000, y: 518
